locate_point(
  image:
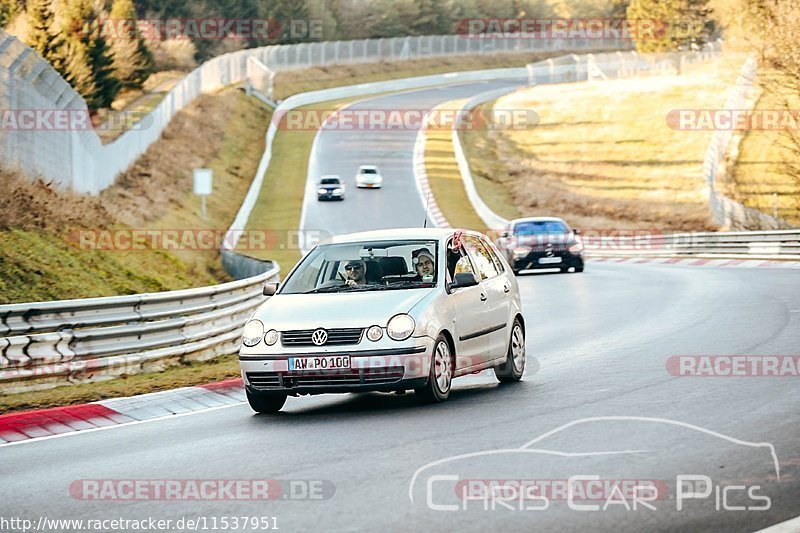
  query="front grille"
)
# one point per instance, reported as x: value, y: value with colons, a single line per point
x: 336, y: 337
x: 321, y: 378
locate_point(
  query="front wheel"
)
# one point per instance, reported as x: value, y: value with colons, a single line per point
x: 514, y: 365
x: 265, y: 403
x: 440, y: 377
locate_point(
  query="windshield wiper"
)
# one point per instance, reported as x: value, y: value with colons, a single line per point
x: 332, y: 288
x: 411, y: 285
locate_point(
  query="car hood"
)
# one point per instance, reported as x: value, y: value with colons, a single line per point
x: 544, y: 239
x: 337, y: 310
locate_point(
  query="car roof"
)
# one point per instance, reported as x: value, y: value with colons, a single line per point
x: 364, y: 167
x: 330, y: 177
x: 537, y: 219
x: 395, y: 234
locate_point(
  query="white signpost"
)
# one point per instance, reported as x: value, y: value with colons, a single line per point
x: 202, y: 186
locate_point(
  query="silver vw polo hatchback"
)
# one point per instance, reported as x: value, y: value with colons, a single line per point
x: 393, y: 310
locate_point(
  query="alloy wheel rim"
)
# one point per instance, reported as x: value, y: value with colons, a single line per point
x: 518, y: 348
x: 443, y: 370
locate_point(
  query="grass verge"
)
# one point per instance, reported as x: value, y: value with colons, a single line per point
x: 187, y: 375
x: 39, y: 259
x: 603, y: 155
x: 760, y: 177
x: 444, y: 177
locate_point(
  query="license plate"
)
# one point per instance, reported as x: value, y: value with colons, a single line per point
x: 328, y: 362
x: 549, y: 260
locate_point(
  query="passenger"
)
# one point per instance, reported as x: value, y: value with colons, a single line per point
x: 425, y: 265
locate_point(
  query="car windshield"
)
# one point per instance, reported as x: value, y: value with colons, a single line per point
x: 329, y: 181
x: 366, y: 266
x: 540, y: 227
x: 368, y: 171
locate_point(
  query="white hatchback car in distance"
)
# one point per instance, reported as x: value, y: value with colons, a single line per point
x: 391, y: 310
x: 369, y: 177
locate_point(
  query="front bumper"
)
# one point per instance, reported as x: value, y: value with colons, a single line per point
x: 533, y: 260
x: 395, y: 369
x: 330, y: 196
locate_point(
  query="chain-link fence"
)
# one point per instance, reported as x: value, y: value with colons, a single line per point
x: 727, y: 212
x: 614, y: 65
x: 47, y: 129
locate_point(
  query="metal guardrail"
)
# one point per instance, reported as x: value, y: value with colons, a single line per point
x: 45, y: 344
x: 782, y: 244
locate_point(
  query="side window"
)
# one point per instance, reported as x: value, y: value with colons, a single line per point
x: 498, y: 264
x: 482, y: 258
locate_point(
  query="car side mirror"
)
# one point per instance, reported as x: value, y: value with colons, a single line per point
x: 271, y: 288
x: 463, y: 280
x: 576, y: 231
x: 505, y: 235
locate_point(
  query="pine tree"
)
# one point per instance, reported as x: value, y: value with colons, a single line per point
x: 43, y: 36
x: 681, y: 24
x: 133, y: 62
x: 8, y: 9
x: 432, y: 19
x: 89, y: 59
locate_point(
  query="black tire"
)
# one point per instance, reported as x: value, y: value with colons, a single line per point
x: 265, y: 403
x: 440, y: 377
x: 514, y: 366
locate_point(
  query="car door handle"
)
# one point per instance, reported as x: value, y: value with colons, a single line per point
x: 506, y: 288
x: 483, y: 297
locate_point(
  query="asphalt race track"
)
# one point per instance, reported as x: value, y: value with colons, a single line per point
x: 597, y: 399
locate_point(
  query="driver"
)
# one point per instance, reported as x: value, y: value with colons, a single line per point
x: 424, y: 263
x: 355, y: 272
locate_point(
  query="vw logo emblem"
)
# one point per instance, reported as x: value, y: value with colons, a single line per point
x: 319, y: 337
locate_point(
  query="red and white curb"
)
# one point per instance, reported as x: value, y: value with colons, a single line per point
x: 694, y: 261
x: 46, y: 423
x: 435, y: 214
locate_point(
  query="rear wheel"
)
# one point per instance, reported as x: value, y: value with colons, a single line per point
x: 265, y: 403
x: 440, y: 377
x: 514, y: 366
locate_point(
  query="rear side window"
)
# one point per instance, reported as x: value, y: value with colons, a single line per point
x: 482, y: 257
x: 498, y: 264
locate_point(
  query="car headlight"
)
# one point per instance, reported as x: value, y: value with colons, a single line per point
x: 271, y: 337
x: 400, y: 327
x: 322, y: 191
x: 337, y: 191
x: 521, y: 250
x: 375, y: 333
x: 253, y: 332
x: 576, y: 248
